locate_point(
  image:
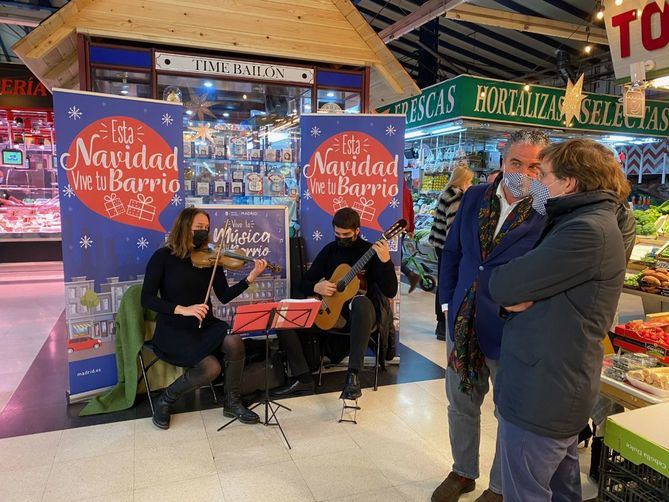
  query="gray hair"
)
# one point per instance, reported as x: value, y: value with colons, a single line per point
x: 530, y: 136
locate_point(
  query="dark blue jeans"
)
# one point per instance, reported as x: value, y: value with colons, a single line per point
x: 538, y: 468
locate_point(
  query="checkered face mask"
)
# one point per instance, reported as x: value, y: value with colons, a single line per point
x: 540, y: 194
x: 518, y: 184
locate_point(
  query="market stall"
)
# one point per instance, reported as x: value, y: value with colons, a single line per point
x: 467, y: 120
x: 29, y: 213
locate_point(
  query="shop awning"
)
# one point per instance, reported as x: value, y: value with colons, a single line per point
x: 328, y: 31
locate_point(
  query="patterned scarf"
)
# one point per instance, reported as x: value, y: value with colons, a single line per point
x: 466, y: 359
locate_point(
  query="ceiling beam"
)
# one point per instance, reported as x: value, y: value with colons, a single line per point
x: 426, y: 12
x: 523, y: 22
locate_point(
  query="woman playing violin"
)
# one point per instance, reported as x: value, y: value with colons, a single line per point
x: 175, y: 289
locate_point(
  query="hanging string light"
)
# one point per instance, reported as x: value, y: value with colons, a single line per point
x: 599, y: 11
x: 588, y: 47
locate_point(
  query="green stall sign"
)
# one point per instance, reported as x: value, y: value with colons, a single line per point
x: 489, y: 100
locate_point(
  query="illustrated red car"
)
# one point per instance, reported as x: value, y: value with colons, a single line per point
x: 82, y: 343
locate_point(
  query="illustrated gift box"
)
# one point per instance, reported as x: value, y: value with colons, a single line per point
x: 142, y: 208
x: 114, y: 206
x: 338, y: 203
x: 365, y: 209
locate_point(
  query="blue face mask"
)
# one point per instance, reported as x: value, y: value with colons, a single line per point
x: 518, y: 184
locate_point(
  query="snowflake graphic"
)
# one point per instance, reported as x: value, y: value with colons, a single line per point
x: 394, y: 203
x: 306, y: 195
x: 167, y: 119
x: 390, y: 130
x: 317, y: 236
x: 315, y: 132
x: 176, y: 200
x: 85, y: 242
x: 142, y: 243
x: 68, y: 192
x: 74, y: 113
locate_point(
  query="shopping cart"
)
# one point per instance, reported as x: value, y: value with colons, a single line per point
x: 419, y: 255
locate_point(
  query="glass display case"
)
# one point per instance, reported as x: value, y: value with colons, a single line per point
x: 241, y: 139
x: 29, y: 207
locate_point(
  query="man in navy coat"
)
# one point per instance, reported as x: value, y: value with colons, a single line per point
x: 494, y: 224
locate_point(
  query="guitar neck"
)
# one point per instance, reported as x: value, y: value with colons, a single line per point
x: 359, y: 265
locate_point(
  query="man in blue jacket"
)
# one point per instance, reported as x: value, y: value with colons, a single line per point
x: 495, y: 224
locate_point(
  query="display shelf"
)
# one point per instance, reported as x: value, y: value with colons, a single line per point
x: 238, y: 161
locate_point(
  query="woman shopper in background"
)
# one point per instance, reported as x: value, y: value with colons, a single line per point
x: 444, y: 214
x: 551, y: 354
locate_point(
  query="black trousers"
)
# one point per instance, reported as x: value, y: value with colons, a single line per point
x: 361, y: 319
x: 441, y: 318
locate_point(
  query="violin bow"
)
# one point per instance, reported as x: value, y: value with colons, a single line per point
x: 213, y: 271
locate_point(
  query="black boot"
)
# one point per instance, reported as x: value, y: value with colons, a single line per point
x: 161, y: 410
x: 352, y: 389
x: 233, y: 406
x: 162, y: 406
x: 595, y: 457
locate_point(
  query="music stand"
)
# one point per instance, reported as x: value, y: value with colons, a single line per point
x: 266, y: 317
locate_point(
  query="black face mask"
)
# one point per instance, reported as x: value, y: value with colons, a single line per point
x: 344, y: 242
x: 200, y: 238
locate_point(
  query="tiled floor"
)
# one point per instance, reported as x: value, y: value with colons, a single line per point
x: 398, y: 451
x: 32, y: 301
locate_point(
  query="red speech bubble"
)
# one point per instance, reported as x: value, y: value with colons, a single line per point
x: 124, y: 170
x: 353, y: 169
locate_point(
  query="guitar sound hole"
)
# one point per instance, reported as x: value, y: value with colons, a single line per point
x: 341, y: 286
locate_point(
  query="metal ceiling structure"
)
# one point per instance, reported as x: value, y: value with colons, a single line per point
x: 17, y: 18
x: 460, y: 39
x: 490, y: 51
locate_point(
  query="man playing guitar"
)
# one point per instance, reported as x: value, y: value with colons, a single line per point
x: 359, y: 314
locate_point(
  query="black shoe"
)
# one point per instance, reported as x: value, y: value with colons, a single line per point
x: 162, y: 410
x: 234, y: 408
x: 297, y: 388
x: 352, y: 389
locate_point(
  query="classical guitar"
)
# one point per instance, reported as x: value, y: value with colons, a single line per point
x: 348, y: 284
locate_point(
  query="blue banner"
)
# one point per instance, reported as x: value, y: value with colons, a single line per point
x: 351, y: 161
x: 259, y: 232
x: 120, y: 181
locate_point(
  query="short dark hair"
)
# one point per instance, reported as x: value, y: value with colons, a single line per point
x: 346, y: 218
x: 529, y: 136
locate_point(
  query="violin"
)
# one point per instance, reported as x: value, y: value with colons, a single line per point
x: 230, y: 260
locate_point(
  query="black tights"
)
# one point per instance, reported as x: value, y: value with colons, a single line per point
x: 209, y: 368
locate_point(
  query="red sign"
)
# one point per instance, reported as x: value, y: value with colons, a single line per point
x: 353, y: 169
x: 21, y: 89
x: 637, y: 32
x: 122, y: 169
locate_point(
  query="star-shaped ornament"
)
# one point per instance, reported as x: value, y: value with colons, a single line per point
x: 201, y: 106
x: 204, y: 132
x: 571, y: 107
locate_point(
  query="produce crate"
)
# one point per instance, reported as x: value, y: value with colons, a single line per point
x: 623, y: 481
x: 627, y: 339
x: 635, y: 456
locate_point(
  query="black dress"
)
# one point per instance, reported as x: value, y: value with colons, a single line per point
x: 177, y: 339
